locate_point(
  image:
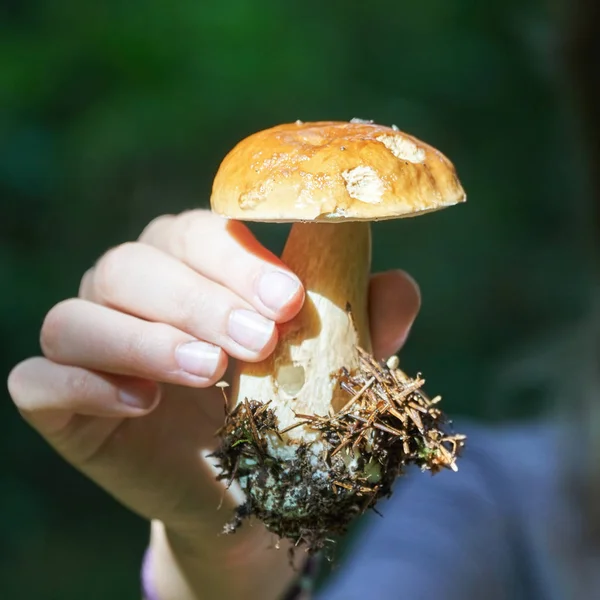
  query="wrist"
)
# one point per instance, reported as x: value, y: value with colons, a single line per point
x: 194, y: 565
x: 191, y: 558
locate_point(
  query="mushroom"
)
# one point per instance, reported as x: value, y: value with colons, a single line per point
x: 307, y: 437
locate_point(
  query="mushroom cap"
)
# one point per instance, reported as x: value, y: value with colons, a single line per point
x: 333, y: 171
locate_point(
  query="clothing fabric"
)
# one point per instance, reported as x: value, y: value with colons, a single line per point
x: 148, y: 591
x: 505, y: 527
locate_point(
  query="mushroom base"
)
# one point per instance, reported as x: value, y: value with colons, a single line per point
x: 311, y: 489
x: 294, y: 490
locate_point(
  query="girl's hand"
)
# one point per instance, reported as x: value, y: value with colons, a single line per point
x: 124, y: 389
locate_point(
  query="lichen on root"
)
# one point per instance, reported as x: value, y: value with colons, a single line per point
x: 310, y: 491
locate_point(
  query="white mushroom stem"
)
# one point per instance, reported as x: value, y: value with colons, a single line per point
x: 333, y: 262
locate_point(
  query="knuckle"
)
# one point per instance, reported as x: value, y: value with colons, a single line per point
x: 53, y: 326
x: 85, y: 284
x: 78, y: 384
x: 111, y: 270
x: 196, y: 308
x: 188, y: 228
x: 190, y: 232
x: 139, y: 346
x: 195, y: 215
x: 155, y: 228
x: 135, y: 345
x: 144, y: 348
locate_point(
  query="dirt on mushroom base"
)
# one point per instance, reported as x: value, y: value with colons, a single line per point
x: 310, y: 491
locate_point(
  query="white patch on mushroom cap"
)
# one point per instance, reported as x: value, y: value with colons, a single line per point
x: 403, y: 148
x: 364, y: 184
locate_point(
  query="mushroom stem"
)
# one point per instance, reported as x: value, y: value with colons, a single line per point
x: 333, y: 262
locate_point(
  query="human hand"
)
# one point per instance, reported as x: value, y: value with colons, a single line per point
x: 125, y: 390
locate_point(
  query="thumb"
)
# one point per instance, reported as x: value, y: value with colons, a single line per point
x: 394, y: 301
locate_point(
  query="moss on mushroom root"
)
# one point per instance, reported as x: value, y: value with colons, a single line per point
x: 311, y: 490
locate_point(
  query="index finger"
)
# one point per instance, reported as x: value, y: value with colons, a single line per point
x: 227, y: 252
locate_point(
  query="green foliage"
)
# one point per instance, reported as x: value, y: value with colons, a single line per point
x: 114, y: 112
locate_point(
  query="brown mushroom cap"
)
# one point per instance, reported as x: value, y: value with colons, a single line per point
x: 333, y: 171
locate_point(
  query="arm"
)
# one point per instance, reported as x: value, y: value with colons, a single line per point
x: 181, y: 568
x: 125, y: 389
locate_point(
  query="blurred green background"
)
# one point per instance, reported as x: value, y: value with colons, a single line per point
x: 112, y: 113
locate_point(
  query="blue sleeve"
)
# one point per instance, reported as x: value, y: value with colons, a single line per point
x: 449, y: 536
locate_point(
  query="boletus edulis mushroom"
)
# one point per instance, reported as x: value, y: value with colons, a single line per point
x: 319, y: 431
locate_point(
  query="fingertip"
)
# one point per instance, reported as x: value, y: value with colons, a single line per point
x: 270, y: 346
x: 280, y: 294
x: 204, y: 381
x: 292, y: 307
x: 222, y: 365
x: 399, y: 283
x: 200, y: 361
x: 264, y: 352
x: 411, y: 284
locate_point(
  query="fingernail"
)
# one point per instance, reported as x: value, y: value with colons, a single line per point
x: 275, y: 289
x: 138, y: 396
x: 198, y: 358
x: 249, y: 329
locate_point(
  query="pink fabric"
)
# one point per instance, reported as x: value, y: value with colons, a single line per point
x: 148, y: 591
